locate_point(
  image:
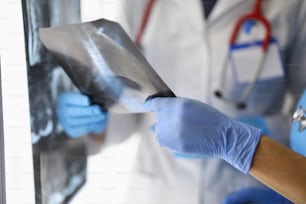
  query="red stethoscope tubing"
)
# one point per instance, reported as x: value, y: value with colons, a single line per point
x: 144, y: 21
x: 257, y: 16
x: 254, y: 15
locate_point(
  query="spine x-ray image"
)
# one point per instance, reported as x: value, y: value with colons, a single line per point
x: 104, y: 63
x: 59, y: 162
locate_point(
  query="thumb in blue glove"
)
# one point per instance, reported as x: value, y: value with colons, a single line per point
x: 78, y: 117
x: 259, y: 195
x: 194, y: 128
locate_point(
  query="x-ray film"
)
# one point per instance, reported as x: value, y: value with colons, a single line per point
x: 103, y: 62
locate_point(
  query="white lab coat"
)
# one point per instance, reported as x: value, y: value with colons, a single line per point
x: 187, y: 52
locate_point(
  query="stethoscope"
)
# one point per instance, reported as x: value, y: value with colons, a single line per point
x: 144, y: 22
x: 255, y: 15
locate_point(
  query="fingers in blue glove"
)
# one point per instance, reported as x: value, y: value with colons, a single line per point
x: 255, y: 195
x: 179, y: 155
x: 72, y: 98
x: 86, y: 120
x: 159, y: 104
x: 77, y: 131
x: 178, y: 118
x: 78, y: 117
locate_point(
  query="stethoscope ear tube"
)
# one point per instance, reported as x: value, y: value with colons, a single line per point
x: 144, y: 21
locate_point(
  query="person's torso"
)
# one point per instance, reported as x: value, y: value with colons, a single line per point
x: 188, y: 52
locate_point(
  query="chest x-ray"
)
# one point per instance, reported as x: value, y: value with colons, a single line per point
x: 104, y: 63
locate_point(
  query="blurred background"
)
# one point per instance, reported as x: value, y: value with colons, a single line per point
x: 63, y: 170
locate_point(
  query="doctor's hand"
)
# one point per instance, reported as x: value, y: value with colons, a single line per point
x: 194, y: 128
x: 78, y: 116
x: 259, y: 195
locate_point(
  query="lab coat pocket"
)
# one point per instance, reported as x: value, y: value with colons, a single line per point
x: 265, y: 97
x: 249, y: 63
x: 252, y: 75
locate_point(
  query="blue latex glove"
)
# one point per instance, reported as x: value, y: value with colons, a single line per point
x: 256, y: 121
x: 191, y: 127
x: 178, y: 154
x: 188, y: 156
x: 255, y: 196
x: 78, y: 117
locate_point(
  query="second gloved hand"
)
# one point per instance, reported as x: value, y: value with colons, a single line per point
x: 78, y: 117
x: 191, y: 127
x: 255, y: 195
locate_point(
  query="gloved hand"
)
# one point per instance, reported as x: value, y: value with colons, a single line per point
x: 78, y: 117
x: 191, y: 127
x: 252, y: 195
x: 256, y: 121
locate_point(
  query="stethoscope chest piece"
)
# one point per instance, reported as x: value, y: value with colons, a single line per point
x: 299, y: 116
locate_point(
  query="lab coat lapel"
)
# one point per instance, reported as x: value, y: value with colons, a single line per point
x: 223, y: 7
x: 192, y: 9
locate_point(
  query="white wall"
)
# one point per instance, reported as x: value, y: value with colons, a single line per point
x: 95, y: 9
x: 16, y: 118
